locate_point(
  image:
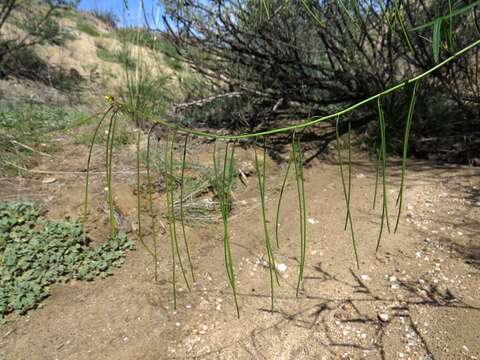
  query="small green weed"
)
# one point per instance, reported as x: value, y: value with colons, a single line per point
x: 35, y: 253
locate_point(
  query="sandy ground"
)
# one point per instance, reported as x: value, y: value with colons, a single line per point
x: 417, y: 298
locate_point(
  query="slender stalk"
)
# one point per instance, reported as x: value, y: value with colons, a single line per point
x: 408, y: 125
x: 298, y: 162
x: 346, y: 194
x: 403, y: 28
x: 376, y: 180
x: 139, y: 218
x: 172, y: 243
x: 280, y: 197
x: 172, y: 217
x: 87, y: 175
x: 349, y: 175
x: 383, y: 165
x: 268, y: 245
x: 109, y: 156
x: 182, y: 213
x: 223, y: 194
x: 152, y: 211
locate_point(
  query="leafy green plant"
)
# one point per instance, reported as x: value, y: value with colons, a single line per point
x: 36, y: 253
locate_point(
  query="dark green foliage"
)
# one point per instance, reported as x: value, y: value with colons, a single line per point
x: 36, y: 253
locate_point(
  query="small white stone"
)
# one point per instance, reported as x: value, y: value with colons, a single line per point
x: 49, y: 180
x: 281, y: 268
x: 365, y: 277
x: 383, y: 317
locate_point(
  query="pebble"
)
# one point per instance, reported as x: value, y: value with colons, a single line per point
x: 49, y: 180
x: 383, y: 317
x: 281, y: 267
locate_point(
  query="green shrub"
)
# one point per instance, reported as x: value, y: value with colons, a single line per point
x: 35, y: 253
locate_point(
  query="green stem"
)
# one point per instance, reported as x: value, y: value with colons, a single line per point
x: 408, y: 126
x: 346, y: 195
x: 139, y: 219
x: 151, y: 208
x: 182, y: 213
x: 280, y: 197
x: 87, y: 175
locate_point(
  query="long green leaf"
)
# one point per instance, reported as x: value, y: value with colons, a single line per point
x: 436, y: 39
x: 408, y: 125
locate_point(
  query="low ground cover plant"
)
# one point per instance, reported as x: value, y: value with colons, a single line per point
x: 36, y: 253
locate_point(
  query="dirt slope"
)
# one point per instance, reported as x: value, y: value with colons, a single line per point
x: 417, y: 298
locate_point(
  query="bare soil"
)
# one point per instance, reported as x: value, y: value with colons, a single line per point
x: 418, y: 297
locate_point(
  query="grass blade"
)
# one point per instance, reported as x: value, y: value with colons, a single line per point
x: 169, y: 182
x: 408, y: 126
x: 280, y: 197
x: 346, y: 193
x: 349, y: 173
x: 436, y: 40
x: 298, y: 162
x: 268, y: 245
x: 109, y: 156
x: 383, y: 166
x: 153, y: 215
x: 182, y: 213
x: 87, y: 175
x: 223, y: 193
x: 139, y: 220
